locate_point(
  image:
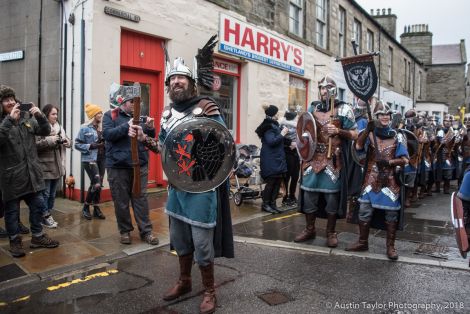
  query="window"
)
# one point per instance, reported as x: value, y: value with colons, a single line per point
x: 390, y: 64
x: 409, y: 76
x: 296, y: 17
x: 341, y: 94
x: 342, y: 32
x: 297, y: 93
x: 322, y: 21
x: 405, y: 78
x: 357, y: 34
x: 419, y: 84
x: 370, y: 40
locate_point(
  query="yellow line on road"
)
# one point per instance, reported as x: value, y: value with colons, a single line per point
x: 87, y: 278
x: 283, y: 217
x: 26, y: 298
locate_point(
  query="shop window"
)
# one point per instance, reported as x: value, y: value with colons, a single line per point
x: 297, y: 93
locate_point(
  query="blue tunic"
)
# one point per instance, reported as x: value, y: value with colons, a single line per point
x: 464, y: 191
x: 197, y: 209
x: 383, y: 199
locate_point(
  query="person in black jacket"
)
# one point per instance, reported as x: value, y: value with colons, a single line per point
x: 120, y: 170
x: 292, y: 158
x: 273, y: 158
x: 21, y: 176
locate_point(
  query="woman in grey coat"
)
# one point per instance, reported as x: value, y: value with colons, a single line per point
x: 51, y: 153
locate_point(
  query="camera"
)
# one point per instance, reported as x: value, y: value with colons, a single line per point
x: 26, y: 106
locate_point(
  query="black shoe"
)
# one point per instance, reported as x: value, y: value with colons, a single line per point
x: 86, y: 212
x: 22, y: 228
x: 3, y: 233
x: 43, y: 241
x: 274, y: 206
x: 97, y: 212
x: 267, y: 208
x: 16, y: 247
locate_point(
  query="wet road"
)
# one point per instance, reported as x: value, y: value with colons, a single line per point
x: 307, y: 283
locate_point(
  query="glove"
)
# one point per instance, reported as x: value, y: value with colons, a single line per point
x: 382, y: 163
x: 370, y: 126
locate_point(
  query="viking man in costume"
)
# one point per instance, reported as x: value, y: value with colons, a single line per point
x: 424, y: 154
x: 411, y: 120
x: 324, y: 178
x: 445, y: 161
x: 200, y: 223
x: 465, y: 145
x: 386, y: 150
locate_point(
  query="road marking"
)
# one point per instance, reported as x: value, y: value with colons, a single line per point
x: 283, y: 217
x: 79, y: 280
x: 26, y: 298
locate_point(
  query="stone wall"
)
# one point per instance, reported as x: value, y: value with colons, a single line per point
x: 446, y: 84
x: 19, y: 30
x: 418, y: 40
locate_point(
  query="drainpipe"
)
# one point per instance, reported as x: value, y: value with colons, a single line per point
x: 63, y: 77
x: 380, y: 59
x: 82, y: 96
x: 39, y: 55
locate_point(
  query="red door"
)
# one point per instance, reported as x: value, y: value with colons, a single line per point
x: 142, y: 61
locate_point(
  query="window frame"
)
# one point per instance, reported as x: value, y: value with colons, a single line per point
x: 322, y: 22
x: 370, y: 40
x: 342, y: 32
x: 293, y: 23
x: 357, y: 34
x: 390, y: 65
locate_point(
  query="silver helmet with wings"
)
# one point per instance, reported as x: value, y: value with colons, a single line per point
x: 203, y: 67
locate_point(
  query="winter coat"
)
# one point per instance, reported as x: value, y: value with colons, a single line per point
x: 290, y: 136
x: 118, y: 142
x: 51, y: 154
x: 273, y: 158
x: 20, y: 170
x: 86, y: 136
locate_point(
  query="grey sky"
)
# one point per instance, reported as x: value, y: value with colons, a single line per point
x: 449, y: 20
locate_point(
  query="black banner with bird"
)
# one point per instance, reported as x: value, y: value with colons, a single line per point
x: 360, y: 75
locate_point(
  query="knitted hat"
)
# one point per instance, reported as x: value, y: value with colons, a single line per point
x: 290, y: 115
x: 6, y: 91
x: 92, y: 110
x: 271, y: 111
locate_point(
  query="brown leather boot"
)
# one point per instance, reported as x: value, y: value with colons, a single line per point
x: 209, y: 301
x: 309, y: 231
x: 407, y: 197
x: 414, y: 194
x: 429, y: 189
x: 437, y: 187
x: 446, y: 187
x: 331, y: 236
x: 183, y: 285
x: 363, y: 243
x: 391, y: 233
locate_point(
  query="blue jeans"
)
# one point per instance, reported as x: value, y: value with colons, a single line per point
x: 49, y: 194
x: 37, y: 206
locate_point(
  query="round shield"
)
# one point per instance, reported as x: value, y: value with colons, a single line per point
x: 306, y: 138
x: 412, y: 143
x: 359, y: 159
x: 198, y: 155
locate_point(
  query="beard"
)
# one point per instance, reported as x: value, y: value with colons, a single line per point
x: 177, y: 96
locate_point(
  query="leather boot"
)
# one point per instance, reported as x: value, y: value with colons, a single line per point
x: 86, y: 211
x: 267, y: 208
x: 429, y: 189
x: 407, y: 197
x: 183, y: 285
x: 363, y: 243
x: 437, y: 187
x: 209, y: 301
x: 414, y: 194
x: 331, y: 236
x: 446, y: 187
x: 391, y: 233
x: 309, y: 231
x: 422, y: 192
x: 274, y: 206
x: 98, y: 213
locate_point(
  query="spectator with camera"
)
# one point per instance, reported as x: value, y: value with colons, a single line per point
x: 90, y: 143
x: 21, y: 176
x: 51, y: 153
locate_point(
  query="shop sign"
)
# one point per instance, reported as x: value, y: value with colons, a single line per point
x: 12, y: 55
x: 247, y: 41
x: 225, y: 66
x: 122, y: 14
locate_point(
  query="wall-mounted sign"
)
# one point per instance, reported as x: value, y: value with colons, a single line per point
x: 12, y: 55
x: 244, y: 40
x: 122, y: 14
x: 225, y: 66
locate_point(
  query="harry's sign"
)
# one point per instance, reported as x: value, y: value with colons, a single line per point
x: 244, y: 40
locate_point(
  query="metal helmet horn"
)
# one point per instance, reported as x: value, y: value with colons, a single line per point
x: 179, y: 68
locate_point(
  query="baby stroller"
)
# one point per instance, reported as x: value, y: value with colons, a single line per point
x: 246, y: 174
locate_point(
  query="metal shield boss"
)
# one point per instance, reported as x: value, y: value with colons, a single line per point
x: 412, y: 143
x: 456, y: 212
x: 198, y: 155
x: 306, y: 138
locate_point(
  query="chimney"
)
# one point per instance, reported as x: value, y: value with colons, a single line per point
x: 387, y: 20
x: 418, y: 40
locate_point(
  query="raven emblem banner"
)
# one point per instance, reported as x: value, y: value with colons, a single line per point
x: 360, y: 75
